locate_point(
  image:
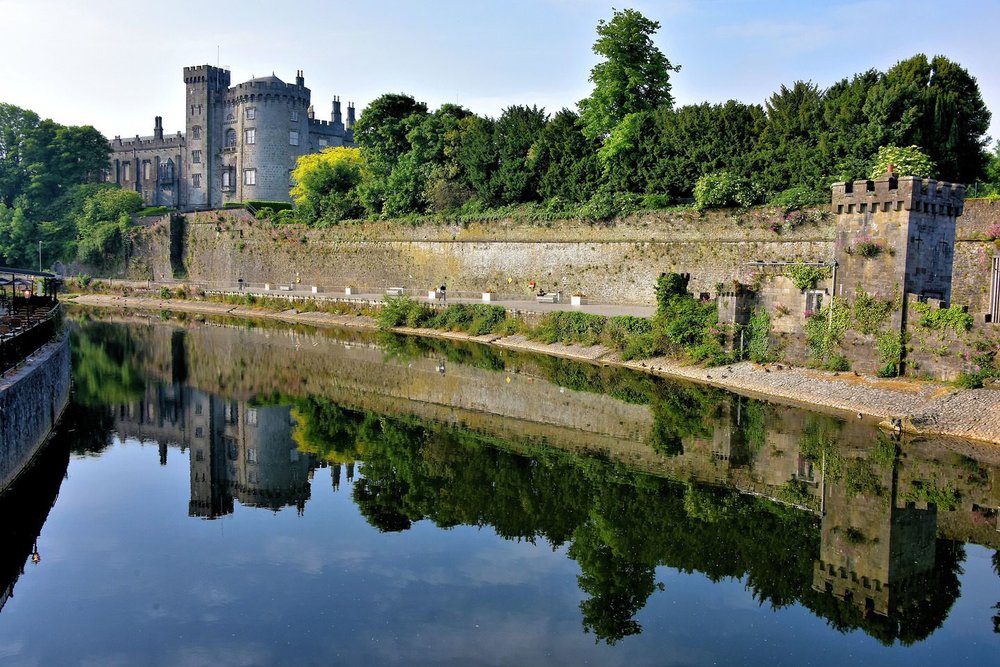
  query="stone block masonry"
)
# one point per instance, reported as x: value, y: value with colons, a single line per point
x: 31, y: 400
x: 924, y: 249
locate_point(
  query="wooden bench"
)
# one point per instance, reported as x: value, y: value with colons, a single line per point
x: 395, y: 291
x: 551, y: 297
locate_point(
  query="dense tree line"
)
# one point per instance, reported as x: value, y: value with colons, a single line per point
x: 628, y: 142
x: 50, y: 193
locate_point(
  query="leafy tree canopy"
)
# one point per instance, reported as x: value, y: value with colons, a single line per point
x: 634, y: 75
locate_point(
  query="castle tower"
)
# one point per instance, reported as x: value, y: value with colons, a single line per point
x: 896, y: 234
x: 158, y: 128
x: 206, y: 86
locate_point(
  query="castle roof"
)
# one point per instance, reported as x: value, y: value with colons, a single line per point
x: 266, y: 79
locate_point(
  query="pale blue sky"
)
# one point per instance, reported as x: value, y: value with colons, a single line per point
x: 117, y: 63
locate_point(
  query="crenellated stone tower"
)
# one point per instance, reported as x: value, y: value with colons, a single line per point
x: 896, y: 233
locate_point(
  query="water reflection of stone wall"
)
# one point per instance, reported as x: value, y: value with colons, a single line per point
x: 870, y: 538
x: 731, y: 441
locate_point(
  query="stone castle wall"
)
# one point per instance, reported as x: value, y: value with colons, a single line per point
x: 31, y: 400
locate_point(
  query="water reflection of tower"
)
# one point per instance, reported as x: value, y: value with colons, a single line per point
x: 876, y: 552
x: 246, y: 452
x: 237, y: 450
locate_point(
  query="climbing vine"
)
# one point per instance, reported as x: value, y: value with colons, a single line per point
x: 805, y: 276
x: 758, y: 334
x: 953, y: 318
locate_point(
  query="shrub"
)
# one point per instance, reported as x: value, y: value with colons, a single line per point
x: 943, y: 319
x: 401, y: 310
x: 165, y: 293
x: 275, y: 206
x: 969, y: 380
x: 906, y: 161
x: 658, y: 201
x: 605, y: 206
x: 799, y: 197
x: 758, y: 337
x: 890, y: 352
x: 806, y: 277
x: 720, y: 189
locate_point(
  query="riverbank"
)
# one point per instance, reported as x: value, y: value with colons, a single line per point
x: 921, y: 407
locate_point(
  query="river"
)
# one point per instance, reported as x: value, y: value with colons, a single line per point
x: 237, y: 493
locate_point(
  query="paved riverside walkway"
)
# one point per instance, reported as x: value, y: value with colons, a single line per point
x: 515, y: 304
x: 922, y: 407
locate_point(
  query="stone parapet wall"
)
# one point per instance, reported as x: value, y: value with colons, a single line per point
x: 31, y: 400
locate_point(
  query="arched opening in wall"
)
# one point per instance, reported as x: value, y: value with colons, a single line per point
x: 230, y: 138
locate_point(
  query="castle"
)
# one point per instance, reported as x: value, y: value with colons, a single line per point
x: 240, y: 143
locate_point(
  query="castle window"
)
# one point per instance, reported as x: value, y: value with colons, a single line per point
x: 195, y: 180
x: 251, y: 113
x: 196, y: 156
x: 294, y: 116
x: 250, y: 135
x: 227, y: 179
x: 322, y: 143
x: 249, y: 177
x: 199, y: 432
x: 814, y: 301
x: 167, y: 170
x: 293, y: 138
x: 230, y: 138
x: 127, y: 171
x: 251, y: 455
x: 196, y: 132
x: 147, y: 170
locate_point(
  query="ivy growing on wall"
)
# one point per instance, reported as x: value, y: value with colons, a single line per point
x: 807, y: 277
x: 758, y: 334
x: 952, y: 318
x: 870, y: 313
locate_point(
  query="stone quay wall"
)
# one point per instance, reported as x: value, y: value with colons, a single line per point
x: 31, y: 400
x: 612, y: 263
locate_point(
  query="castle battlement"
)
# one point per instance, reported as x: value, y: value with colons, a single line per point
x: 118, y: 143
x: 903, y: 193
x: 217, y: 76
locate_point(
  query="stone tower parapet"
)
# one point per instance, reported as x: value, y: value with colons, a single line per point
x: 892, y: 193
x: 896, y: 235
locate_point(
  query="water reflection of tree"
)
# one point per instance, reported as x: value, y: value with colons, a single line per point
x: 107, y: 367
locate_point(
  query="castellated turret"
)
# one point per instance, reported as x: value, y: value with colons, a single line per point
x: 897, y: 234
x: 240, y: 142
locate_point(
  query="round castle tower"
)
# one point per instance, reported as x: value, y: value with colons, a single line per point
x: 264, y: 129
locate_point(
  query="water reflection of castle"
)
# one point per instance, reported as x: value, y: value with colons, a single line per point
x: 237, y: 450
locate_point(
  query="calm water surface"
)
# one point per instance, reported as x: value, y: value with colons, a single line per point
x: 230, y: 495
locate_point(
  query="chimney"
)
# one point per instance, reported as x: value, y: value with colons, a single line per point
x: 158, y: 128
x: 300, y: 79
x: 335, y: 117
x: 350, y: 115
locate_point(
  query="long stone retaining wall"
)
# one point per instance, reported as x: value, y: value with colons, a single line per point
x: 31, y: 400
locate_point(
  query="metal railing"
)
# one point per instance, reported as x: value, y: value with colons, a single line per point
x: 25, y: 329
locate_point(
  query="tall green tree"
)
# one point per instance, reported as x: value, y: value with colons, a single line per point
x: 565, y: 161
x: 633, y: 77
x: 935, y: 104
x: 381, y: 133
x: 789, y: 144
x: 103, y: 225
x: 516, y: 132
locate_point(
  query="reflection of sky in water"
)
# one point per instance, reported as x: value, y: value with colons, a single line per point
x: 128, y: 578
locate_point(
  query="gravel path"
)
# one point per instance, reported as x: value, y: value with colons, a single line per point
x: 921, y: 407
